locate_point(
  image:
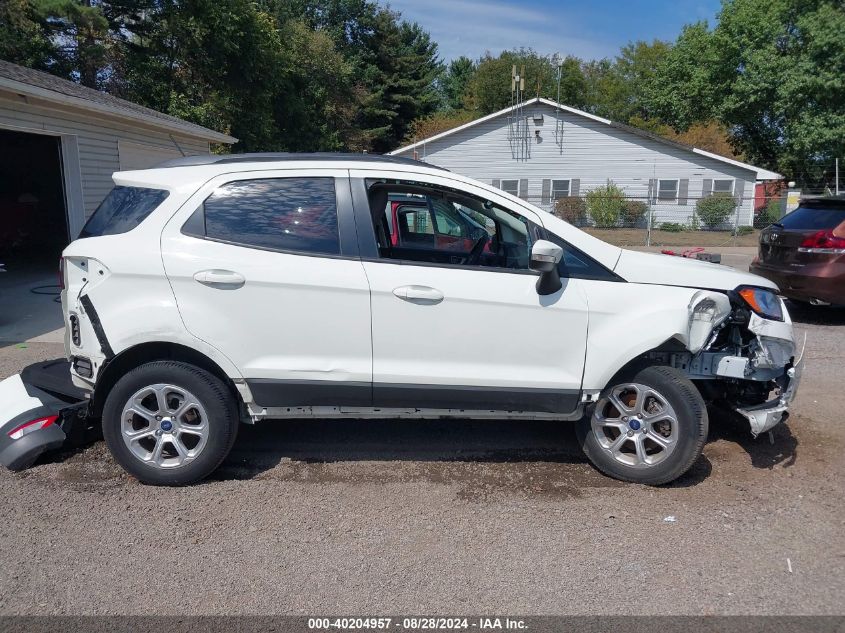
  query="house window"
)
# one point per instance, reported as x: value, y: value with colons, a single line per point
x: 560, y: 189
x: 511, y: 187
x: 723, y: 186
x: 667, y: 190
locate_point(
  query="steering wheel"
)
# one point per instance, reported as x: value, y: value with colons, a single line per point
x: 477, y: 248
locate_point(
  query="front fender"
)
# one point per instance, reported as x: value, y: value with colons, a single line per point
x: 627, y: 320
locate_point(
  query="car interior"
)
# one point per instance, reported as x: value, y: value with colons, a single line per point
x: 415, y: 222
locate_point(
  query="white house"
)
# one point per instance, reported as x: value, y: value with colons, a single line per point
x: 542, y: 150
x: 59, y: 145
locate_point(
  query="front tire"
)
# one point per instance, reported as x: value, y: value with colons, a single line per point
x: 170, y: 423
x: 648, y: 427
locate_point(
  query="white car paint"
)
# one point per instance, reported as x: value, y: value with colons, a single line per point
x: 298, y: 317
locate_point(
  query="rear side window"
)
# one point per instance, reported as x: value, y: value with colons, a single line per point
x: 285, y: 214
x: 813, y: 218
x: 122, y: 210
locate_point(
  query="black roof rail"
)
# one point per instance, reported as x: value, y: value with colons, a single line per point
x: 274, y: 157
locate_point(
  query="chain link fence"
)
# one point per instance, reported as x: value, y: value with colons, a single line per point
x: 711, y: 220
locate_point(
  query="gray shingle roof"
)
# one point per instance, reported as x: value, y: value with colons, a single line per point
x: 102, y: 100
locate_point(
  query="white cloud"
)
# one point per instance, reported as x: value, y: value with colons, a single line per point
x: 471, y: 27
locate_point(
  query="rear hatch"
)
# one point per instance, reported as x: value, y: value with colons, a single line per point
x: 814, y: 232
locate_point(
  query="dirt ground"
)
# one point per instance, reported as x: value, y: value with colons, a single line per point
x: 363, y: 517
x: 637, y: 237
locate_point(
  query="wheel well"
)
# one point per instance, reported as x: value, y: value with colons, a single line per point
x: 133, y: 357
x: 646, y: 359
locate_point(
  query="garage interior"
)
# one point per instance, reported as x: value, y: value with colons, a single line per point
x: 33, y: 217
x: 33, y: 232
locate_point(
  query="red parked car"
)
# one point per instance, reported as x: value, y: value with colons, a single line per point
x: 804, y: 253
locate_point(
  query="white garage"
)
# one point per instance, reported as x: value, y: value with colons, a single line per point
x: 59, y: 145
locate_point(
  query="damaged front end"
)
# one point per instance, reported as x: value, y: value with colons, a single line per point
x: 741, y: 353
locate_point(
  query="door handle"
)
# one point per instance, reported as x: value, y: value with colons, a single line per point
x: 220, y: 279
x: 422, y: 295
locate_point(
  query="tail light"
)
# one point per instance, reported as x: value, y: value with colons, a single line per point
x: 823, y: 241
x: 33, y: 425
x: 61, y: 273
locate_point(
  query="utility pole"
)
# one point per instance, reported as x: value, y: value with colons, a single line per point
x: 837, y: 176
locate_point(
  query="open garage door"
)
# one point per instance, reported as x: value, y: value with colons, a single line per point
x: 139, y: 156
x: 33, y: 216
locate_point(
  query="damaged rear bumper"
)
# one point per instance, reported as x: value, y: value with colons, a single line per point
x: 39, y: 411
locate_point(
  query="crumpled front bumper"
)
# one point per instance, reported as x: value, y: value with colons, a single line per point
x: 766, y: 416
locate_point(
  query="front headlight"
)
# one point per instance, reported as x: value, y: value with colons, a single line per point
x: 763, y: 302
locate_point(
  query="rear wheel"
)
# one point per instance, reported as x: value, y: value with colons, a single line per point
x: 170, y: 423
x: 648, y: 427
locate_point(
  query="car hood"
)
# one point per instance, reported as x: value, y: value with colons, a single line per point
x: 667, y: 270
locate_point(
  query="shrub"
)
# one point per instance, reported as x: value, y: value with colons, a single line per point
x: 633, y: 211
x: 743, y: 230
x: 672, y: 227
x: 714, y: 209
x: 572, y: 209
x: 768, y: 214
x: 605, y: 205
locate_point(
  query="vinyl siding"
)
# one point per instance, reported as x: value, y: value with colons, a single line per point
x: 590, y: 151
x: 97, y: 138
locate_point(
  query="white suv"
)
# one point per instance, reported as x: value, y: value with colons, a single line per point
x: 224, y: 289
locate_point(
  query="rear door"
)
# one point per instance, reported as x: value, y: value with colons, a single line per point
x: 264, y: 267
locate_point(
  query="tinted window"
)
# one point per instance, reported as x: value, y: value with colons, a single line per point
x: 809, y: 218
x: 288, y: 214
x: 122, y: 210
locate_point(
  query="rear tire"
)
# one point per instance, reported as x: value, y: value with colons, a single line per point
x: 648, y: 427
x: 170, y: 423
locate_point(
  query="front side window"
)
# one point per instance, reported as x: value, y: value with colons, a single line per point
x: 439, y: 228
x: 667, y: 190
x: 122, y: 210
x: 723, y: 186
x: 285, y: 214
x: 511, y: 187
x: 560, y: 189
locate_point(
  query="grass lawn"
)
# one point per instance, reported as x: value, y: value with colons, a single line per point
x: 636, y: 237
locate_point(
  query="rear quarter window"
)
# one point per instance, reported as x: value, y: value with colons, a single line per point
x: 808, y: 218
x: 123, y: 209
x: 281, y: 214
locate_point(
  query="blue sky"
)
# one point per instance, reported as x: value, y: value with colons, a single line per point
x: 591, y: 30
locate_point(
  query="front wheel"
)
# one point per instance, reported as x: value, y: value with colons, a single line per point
x: 648, y: 427
x: 170, y: 423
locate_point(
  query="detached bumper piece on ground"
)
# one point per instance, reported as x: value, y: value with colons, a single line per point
x: 41, y: 410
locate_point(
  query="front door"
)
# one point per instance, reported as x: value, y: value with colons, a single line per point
x: 468, y: 330
x: 262, y: 269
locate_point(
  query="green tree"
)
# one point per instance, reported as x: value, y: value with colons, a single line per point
x: 25, y: 35
x: 489, y: 89
x: 772, y: 71
x: 454, y: 82
x: 400, y: 71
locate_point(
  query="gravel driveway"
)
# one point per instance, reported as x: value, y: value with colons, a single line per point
x: 442, y: 518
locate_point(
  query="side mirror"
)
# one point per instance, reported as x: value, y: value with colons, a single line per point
x: 545, y: 256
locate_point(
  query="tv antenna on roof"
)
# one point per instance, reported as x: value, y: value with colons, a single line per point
x: 517, y: 122
x: 556, y: 59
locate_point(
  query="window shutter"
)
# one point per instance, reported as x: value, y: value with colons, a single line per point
x: 575, y: 187
x: 495, y: 183
x: 652, y: 189
x: 739, y: 190
x: 683, y: 191
x: 707, y: 189
x: 547, y: 191
x: 523, y: 188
